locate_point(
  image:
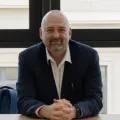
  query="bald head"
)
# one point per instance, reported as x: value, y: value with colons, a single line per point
x: 55, y: 33
x: 53, y: 16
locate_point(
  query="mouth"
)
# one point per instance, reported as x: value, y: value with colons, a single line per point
x: 56, y: 43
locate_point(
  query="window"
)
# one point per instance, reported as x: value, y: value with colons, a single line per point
x: 98, y: 26
x: 14, y: 12
x: 92, y: 13
x: 26, y: 36
x: 8, y: 76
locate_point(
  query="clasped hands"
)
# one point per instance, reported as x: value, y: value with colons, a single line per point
x: 61, y: 109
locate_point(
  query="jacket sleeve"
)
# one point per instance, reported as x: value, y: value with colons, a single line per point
x: 27, y: 103
x: 92, y: 102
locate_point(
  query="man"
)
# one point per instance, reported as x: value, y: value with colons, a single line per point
x: 59, y: 78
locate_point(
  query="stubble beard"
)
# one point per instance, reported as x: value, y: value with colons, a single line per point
x: 57, y: 47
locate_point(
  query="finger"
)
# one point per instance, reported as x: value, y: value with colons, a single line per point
x: 63, y: 101
x: 66, y: 102
x: 57, y: 101
x: 67, y: 110
x: 58, y: 113
x: 54, y: 99
x: 70, y: 113
x: 66, y: 117
x: 58, y: 106
x: 55, y: 118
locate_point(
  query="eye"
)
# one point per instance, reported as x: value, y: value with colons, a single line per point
x: 62, y: 29
x: 49, y: 30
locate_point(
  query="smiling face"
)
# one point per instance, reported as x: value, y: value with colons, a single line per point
x: 55, y: 32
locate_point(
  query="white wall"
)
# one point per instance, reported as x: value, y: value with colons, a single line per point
x: 14, y: 3
x: 90, y: 5
x: 92, y: 13
x: 111, y: 58
x: 14, y: 18
x: 14, y: 14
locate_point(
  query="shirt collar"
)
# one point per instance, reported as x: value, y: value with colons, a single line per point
x: 67, y: 56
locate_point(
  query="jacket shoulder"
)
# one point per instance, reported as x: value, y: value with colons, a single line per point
x: 81, y: 47
x: 32, y: 50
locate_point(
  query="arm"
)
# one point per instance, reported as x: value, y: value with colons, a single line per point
x: 27, y: 100
x: 92, y: 102
x: 27, y: 103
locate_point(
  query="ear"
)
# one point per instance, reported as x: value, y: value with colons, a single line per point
x: 40, y: 33
x: 70, y: 33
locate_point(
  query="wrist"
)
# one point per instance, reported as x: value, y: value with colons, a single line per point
x: 43, y: 112
x: 79, y: 112
x: 74, y: 113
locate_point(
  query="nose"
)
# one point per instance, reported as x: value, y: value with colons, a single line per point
x: 56, y: 34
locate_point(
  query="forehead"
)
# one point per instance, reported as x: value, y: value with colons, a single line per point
x: 55, y: 21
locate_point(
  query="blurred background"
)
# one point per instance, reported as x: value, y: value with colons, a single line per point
x: 94, y: 22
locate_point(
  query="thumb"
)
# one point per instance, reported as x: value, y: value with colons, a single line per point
x: 55, y: 100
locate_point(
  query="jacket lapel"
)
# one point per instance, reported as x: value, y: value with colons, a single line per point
x: 68, y: 76
x: 66, y: 82
x: 47, y: 74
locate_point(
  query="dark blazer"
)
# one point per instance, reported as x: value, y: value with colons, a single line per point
x: 81, y: 83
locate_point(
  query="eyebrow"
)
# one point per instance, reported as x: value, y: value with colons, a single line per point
x: 48, y: 27
x: 62, y: 27
x: 53, y: 27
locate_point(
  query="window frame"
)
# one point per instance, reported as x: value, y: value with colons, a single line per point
x: 97, y: 37
x: 19, y: 38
